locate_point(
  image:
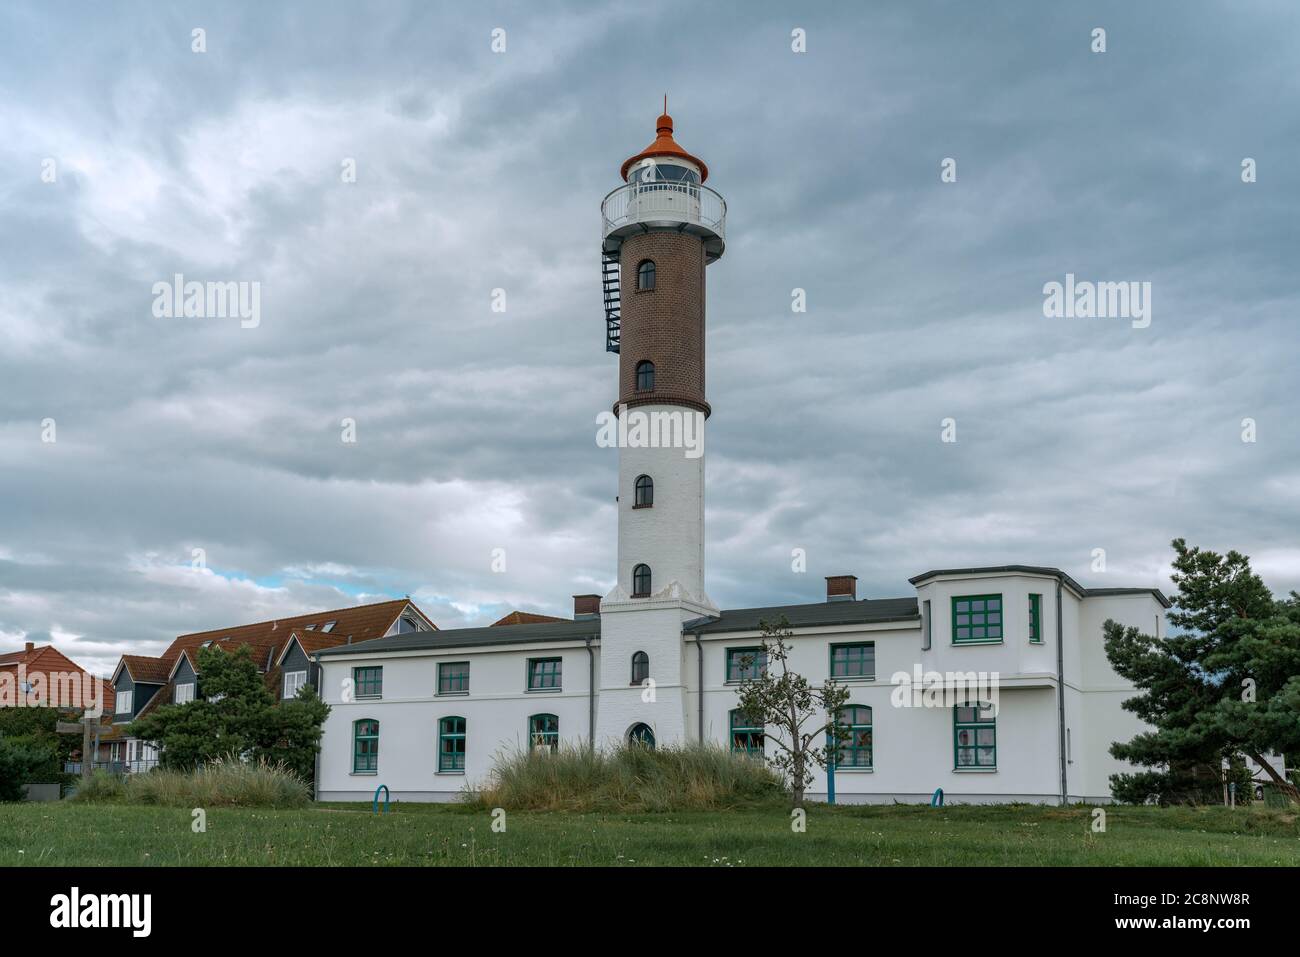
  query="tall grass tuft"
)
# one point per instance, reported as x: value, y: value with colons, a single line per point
x: 631, y: 778
x: 102, y: 786
x: 222, y: 783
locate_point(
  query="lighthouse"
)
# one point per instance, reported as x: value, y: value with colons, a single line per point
x: 659, y: 231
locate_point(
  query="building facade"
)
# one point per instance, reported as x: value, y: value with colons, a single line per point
x: 988, y: 683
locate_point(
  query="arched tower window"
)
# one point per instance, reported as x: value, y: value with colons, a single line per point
x: 641, y: 581
x: 645, y: 491
x: 640, y: 667
x: 645, y: 375
x: 645, y: 274
x: 641, y: 736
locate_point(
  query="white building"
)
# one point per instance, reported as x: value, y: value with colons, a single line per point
x: 655, y: 660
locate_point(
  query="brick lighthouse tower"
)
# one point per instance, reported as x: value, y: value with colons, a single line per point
x: 659, y: 232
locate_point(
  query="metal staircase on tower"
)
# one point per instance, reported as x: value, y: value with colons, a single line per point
x: 609, y: 282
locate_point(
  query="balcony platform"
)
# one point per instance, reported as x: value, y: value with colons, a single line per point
x: 690, y: 208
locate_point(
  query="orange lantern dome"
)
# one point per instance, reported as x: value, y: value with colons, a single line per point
x: 665, y: 145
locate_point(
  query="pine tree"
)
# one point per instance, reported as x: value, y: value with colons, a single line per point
x: 1226, y: 684
x: 236, y: 717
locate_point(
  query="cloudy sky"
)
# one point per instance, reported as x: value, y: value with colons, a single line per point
x: 478, y: 170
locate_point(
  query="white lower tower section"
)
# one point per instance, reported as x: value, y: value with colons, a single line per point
x: 668, y: 536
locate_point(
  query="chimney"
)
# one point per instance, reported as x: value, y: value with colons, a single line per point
x: 841, y: 587
x: 586, y: 606
x: 31, y: 646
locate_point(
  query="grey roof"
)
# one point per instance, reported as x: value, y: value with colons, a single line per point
x: 866, y: 611
x: 1159, y: 595
x: 578, y: 630
x: 1042, y: 570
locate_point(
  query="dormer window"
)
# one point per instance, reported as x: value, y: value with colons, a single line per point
x: 645, y: 275
x: 407, y: 624
x: 645, y: 376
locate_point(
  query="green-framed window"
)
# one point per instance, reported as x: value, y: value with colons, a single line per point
x: 453, y: 677
x: 854, y: 661
x: 746, y: 734
x: 976, y: 619
x: 855, y: 746
x: 368, y: 682
x: 544, y: 731
x: 365, y: 746
x: 545, y: 674
x: 975, y: 736
x: 1036, y: 619
x: 451, y: 744
x: 745, y: 663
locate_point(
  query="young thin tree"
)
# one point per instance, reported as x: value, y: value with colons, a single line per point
x: 785, y: 704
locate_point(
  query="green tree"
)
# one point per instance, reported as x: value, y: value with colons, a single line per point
x: 293, y: 732
x: 35, y: 726
x: 237, y: 716
x: 1226, y: 684
x: 782, y: 700
x: 25, y: 764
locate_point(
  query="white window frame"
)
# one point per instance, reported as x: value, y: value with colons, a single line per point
x: 124, y: 701
x: 184, y: 693
x: 301, y: 677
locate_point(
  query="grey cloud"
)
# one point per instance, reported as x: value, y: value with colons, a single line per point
x: 475, y: 172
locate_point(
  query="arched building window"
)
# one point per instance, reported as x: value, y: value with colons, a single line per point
x: 975, y: 735
x: 544, y: 732
x: 855, y: 737
x: 645, y: 375
x: 645, y: 274
x: 640, y: 667
x: 365, y: 746
x: 746, y: 734
x: 645, y: 491
x: 641, y: 581
x: 451, y: 744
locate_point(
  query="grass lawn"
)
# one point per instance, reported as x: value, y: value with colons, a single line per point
x: 73, y: 834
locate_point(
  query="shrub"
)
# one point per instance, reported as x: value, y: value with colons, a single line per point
x: 24, y: 764
x: 631, y: 778
x: 220, y: 783
x: 102, y: 786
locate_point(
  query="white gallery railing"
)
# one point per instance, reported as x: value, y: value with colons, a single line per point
x: 639, y: 202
